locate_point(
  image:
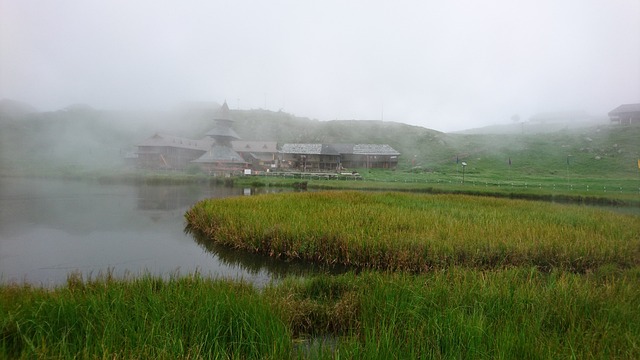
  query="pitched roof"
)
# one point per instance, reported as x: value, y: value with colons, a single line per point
x: 374, y: 149
x: 222, y: 129
x: 338, y: 149
x: 220, y: 154
x: 164, y: 140
x: 308, y: 149
x: 625, y: 108
x: 223, y: 113
x: 255, y: 146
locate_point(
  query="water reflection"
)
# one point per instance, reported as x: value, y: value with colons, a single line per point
x: 50, y: 228
x: 256, y: 264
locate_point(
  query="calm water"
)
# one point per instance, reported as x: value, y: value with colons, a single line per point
x: 49, y: 228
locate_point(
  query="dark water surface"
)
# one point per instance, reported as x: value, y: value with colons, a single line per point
x: 50, y: 228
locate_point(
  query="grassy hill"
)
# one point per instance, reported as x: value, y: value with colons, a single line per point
x: 83, y: 138
x: 600, y: 151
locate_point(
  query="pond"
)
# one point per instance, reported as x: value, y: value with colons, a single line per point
x: 50, y: 228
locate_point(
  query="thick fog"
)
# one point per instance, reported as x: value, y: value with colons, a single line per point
x: 444, y: 65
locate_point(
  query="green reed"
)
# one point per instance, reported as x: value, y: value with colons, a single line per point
x: 419, y: 232
x: 512, y: 314
x: 459, y: 312
x: 189, y: 317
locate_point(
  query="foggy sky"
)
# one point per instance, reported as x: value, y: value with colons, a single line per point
x: 445, y: 65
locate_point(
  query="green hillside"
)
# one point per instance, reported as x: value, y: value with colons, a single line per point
x: 427, y: 146
x: 83, y: 138
x: 598, y: 151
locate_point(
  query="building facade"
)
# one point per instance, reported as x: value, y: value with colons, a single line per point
x: 168, y: 152
x: 625, y: 114
x: 335, y: 157
x: 260, y: 155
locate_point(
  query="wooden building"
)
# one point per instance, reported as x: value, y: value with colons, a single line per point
x: 334, y: 157
x: 223, y: 153
x: 220, y: 158
x: 260, y: 155
x: 167, y: 152
x: 372, y: 156
x: 625, y: 114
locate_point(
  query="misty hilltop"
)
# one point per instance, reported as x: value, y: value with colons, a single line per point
x: 443, y: 65
x: 82, y: 138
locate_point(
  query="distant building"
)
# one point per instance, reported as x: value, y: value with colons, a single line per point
x: 222, y: 152
x: 168, y: 152
x: 261, y: 155
x: 220, y: 158
x: 369, y: 156
x: 333, y: 157
x: 625, y: 114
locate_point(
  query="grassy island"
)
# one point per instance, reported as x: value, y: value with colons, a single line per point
x: 400, y: 231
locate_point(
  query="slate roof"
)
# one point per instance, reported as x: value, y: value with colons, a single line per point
x: 160, y: 140
x: 625, y: 109
x: 255, y: 146
x: 222, y: 125
x: 220, y: 154
x: 224, y: 113
x: 309, y: 149
x: 374, y: 149
x: 338, y: 149
x: 222, y: 129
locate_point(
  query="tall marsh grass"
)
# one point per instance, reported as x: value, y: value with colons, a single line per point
x: 510, y: 314
x: 515, y: 313
x: 189, y: 317
x: 401, y: 231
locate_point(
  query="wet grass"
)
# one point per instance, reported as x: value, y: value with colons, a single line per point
x: 456, y: 277
x: 462, y: 313
x: 189, y: 317
x: 417, y: 233
x: 587, y: 189
x: 512, y: 313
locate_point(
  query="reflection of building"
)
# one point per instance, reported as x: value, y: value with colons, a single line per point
x: 626, y: 114
x: 309, y: 157
x: 165, y: 202
x: 164, y: 198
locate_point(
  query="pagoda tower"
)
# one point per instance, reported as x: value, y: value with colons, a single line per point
x: 222, y: 132
x: 221, y: 156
